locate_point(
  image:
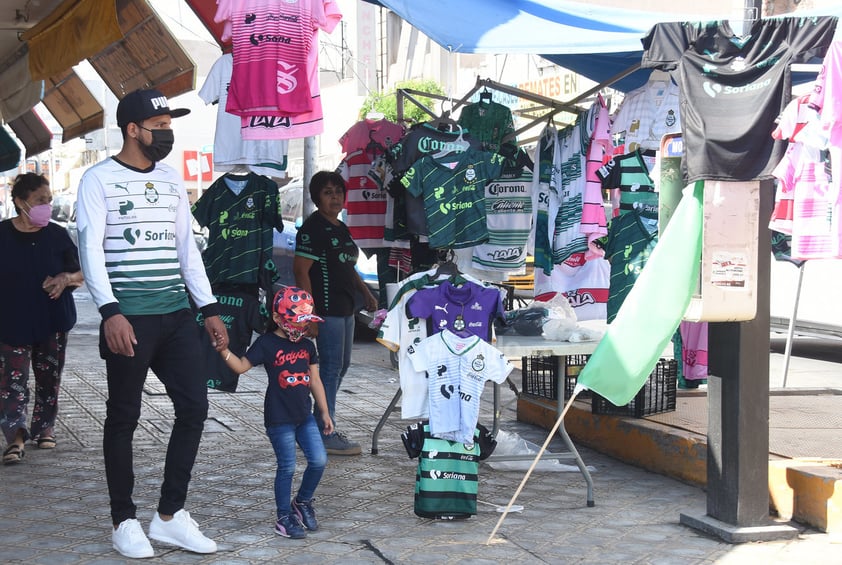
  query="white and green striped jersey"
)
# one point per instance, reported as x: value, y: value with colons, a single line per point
x: 136, y: 241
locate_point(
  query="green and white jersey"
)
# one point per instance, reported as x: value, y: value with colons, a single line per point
x: 136, y: 241
x: 508, y: 208
x: 446, y: 479
x: 240, y: 229
x: 453, y: 188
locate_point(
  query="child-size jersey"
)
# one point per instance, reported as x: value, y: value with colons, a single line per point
x: 441, y: 305
x: 457, y: 369
x: 287, y: 365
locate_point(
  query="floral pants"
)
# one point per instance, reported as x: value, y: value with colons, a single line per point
x: 47, y: 361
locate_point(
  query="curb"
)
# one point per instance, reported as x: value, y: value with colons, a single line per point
x: 808, y: 491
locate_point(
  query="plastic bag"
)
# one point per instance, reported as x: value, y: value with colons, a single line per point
x: 524, y: 321
x: 510, y: 443
x: 561, y: 320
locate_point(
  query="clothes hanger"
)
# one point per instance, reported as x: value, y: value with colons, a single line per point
x: 238, y: 172
x: 485, y: 95
x: 446, y: 264
x: 374, y: 147
x: 458, y: 145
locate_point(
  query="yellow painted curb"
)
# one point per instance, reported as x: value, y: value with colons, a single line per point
x: 808, y: 491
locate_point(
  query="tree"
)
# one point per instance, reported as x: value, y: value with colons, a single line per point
x: 387, y: 103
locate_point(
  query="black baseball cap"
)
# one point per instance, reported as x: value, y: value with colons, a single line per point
x: 144, y: 104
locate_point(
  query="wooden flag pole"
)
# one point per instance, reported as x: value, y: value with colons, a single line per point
x: 532, y: 467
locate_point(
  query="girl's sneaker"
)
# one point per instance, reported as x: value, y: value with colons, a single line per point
x: 306, y: 515
x: 289, y: 527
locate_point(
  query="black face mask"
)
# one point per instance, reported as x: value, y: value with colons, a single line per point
x: 162, y: 142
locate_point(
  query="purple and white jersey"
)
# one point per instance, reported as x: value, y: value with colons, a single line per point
x: 457, y: 369
x: 466, y: 308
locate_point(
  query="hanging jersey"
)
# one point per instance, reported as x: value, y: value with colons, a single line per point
x: 424, y: 139
x: 508, y: 210
x: 398, y: 332
x: 488, y: 122
x: 362, y: 134
x: 466, y: 308
x: 631, y: 186
x: 457, y: 369
x: 732, y: 88
x: 453, y: 188
x: 584, y: 284
x: 631, y: 239
x: 271, y: 41
x: 365, y: 201
x: 543, y: 184
x: 645, y: 116
x: 309, y: 123
x: 240, y: 230
x: 267, y: 157
x: 573, y: 144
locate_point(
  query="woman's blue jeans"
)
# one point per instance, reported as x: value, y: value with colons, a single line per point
x: 334, y: 342
x: 308, y: 437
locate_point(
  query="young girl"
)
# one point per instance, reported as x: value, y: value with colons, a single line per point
x: 293, y: 369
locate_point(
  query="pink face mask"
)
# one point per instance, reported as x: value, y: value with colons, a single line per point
x: 40, y: 215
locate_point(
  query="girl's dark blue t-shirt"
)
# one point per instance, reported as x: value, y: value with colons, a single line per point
x: 287, y: 365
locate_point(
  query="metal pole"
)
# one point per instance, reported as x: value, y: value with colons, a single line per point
x: 311, y: 164
x: 791, y: 329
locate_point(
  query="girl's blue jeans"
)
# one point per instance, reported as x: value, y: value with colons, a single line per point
x: 308, y: 437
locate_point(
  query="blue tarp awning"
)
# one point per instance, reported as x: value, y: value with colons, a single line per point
x: 597, y: 42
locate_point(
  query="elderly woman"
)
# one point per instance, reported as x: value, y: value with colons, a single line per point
x: 325, y: 257
x: 38, y: 263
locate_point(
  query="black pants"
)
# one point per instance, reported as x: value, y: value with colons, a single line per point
x: 169, y: 345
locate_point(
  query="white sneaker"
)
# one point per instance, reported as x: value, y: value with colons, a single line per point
x: 182, y: 531
x: 129, y: 540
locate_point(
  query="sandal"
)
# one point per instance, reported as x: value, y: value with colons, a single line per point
x: 46, y: 442
x: 13, y: 454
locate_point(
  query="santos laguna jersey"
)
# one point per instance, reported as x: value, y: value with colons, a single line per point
x: 457, y: 369
x: 733, y: 88
x: 453, y: 188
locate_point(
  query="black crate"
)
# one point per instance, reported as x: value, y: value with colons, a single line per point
x: 540, y: 375
x: 656, y: 396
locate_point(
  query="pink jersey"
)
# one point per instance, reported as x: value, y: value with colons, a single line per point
x: 275, y: 54
x: 384, y: 133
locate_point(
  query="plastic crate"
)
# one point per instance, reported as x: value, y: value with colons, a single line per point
x: 656, y: 396
x: 540, y: 375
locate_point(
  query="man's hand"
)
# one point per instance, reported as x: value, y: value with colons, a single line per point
x: 119, y: 335
x: 217, y: 332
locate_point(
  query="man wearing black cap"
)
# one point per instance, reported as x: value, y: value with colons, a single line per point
x: 140, y: 261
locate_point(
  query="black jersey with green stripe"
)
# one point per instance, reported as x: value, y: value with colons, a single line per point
x: 240, y: 229
x: 453, y: 188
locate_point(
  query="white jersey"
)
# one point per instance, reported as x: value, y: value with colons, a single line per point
x: 398, y: 332
x: 264, y: 157
x: 457, y: 369
x: 645, y: 116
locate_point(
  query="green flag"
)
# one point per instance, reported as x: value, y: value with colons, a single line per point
x: 651, y: 312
